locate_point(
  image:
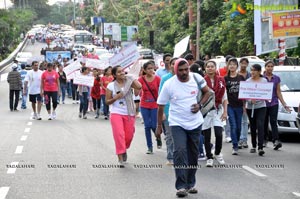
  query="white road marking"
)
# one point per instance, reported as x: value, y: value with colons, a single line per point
x: 19, y: 150
x: 24, y: 137
x: 12, y: 170
x: 3, y: 192
x: 27, y: 130
x: 296, y: 194
x: 253, y: 171
x: 3, y: 77
x: 29, y: 123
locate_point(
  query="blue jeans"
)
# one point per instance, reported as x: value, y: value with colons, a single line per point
x: 244, y: 128
x: 150, y: 121
x: 186, y: 150
x: 227, y: 129
x: 24, y: 99
x: 104, y: 105
x: 235, y: 120
x: 169, y: 140
x: 201, y: 144
x: 83, y: 107
x: 63, y: 88
x: 69, y: 89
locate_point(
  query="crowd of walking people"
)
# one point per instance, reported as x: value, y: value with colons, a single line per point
x: 167, y: 101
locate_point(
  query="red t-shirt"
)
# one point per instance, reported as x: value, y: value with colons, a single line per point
x: 50, y: 80
x: 222, y: 72
x: 147, y: 99
x: 105, y: 81
x: 96, y: 89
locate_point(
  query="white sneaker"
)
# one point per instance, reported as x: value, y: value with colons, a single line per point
x: 210, y: 163
x: 38, y: 117
x: 228, y: 139
x: 50, y: 117
x: 34, y: 116
x: 220, y: 159
x: 74, y: 102
x: 53, y: 115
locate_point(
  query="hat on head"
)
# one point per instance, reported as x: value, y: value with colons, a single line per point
x: 14, y: 66
x: 177, y: 62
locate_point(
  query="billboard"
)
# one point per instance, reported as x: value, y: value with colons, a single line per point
x: 262, y: 18
x: 51, y: 56
x: 285, y: 24
x: 108, y: 28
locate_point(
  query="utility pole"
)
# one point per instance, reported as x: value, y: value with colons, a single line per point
x: 5, y: 4
x: 74, y: 20
x: 198, y: 30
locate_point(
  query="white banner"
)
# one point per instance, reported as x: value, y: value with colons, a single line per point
x: 181, y: 47
x: 255, y: 91
x: 126, y: 57
x: 86, y: 80
x: 72, y: 67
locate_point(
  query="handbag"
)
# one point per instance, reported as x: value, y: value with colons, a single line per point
x: 149, y: 88
x: 210, y: 102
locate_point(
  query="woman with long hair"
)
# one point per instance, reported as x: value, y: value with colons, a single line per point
x: 122, y: 117
x: 50, y: 89
x: 272, y: 106
x: 256, y: 111
x: 150, y: 86
x: 95, y: 93
x: 83, y: 92
x: 215, y: 118
x: 235, y: 105
x: 105, y: 80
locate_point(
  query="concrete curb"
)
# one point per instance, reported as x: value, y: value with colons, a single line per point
x: 12, y: 56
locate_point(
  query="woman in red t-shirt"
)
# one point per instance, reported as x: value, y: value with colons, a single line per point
x: 105, y: 80
x: 150, y: 86
x: 95, y: 93
x: 50, y: 89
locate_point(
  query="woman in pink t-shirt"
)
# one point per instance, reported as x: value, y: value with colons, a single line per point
x: 105, y: 80
x: 150, y: 86
x: 50, y: 89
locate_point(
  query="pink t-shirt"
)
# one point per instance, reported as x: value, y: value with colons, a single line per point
x: 147, y: 99
x: 105, y: 81
x: 50, y: 80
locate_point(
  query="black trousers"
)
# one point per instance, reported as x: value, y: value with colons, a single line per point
x: 219, y: 139
x: 271, y: 115
x: 14, y: 96
x: 96, y: 103
x: 257, y: 123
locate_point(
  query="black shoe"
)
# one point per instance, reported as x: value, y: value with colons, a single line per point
x: 124, y: 157
x: 277, y: 145
x: 149, y: 151
x: 181, y: 193
x: 159, y: 143
x: 261, y: 152
x: 253, y: 150
x: 192, y: 190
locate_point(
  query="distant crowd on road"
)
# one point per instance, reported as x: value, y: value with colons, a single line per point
x: 170, y: 100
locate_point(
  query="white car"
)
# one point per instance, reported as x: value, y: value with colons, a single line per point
x: 23, y: 57
x: 99, y: 51
x: 221, y: 62
x: 290, y: 89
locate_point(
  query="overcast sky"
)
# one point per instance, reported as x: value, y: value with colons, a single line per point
x: 8, y: 2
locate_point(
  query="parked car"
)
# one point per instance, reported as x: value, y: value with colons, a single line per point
x: 290, y: 89
x: 221, y: 62
x: 23, y: 57
x: 298, y: 118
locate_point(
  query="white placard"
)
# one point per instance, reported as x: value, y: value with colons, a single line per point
x: 95, y: 63
x: 86, y: 80
x: 255, y: 91
x: 72, y: 67
x: 181, y: 47
x: 126, y: 57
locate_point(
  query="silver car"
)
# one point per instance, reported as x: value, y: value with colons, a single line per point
x: 290, y: 89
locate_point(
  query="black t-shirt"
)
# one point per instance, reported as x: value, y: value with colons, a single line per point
x: 232, y: 88
x: 62, y: 78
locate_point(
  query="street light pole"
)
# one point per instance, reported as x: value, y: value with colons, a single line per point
x: 74, y: 15
x: 198, y: 30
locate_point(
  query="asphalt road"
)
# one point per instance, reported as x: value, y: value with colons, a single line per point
x: 72, y: 158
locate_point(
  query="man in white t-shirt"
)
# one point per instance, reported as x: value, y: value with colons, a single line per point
x: 185, y: 121
x: 33, y: 83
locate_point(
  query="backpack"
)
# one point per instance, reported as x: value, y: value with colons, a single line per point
x: 210, y: 102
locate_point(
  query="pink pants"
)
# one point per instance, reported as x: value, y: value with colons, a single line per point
x: 123, y: 127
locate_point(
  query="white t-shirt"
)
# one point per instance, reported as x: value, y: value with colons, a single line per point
x: 34, y: 81
x: 118, y: 106
x: 182, y: 95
